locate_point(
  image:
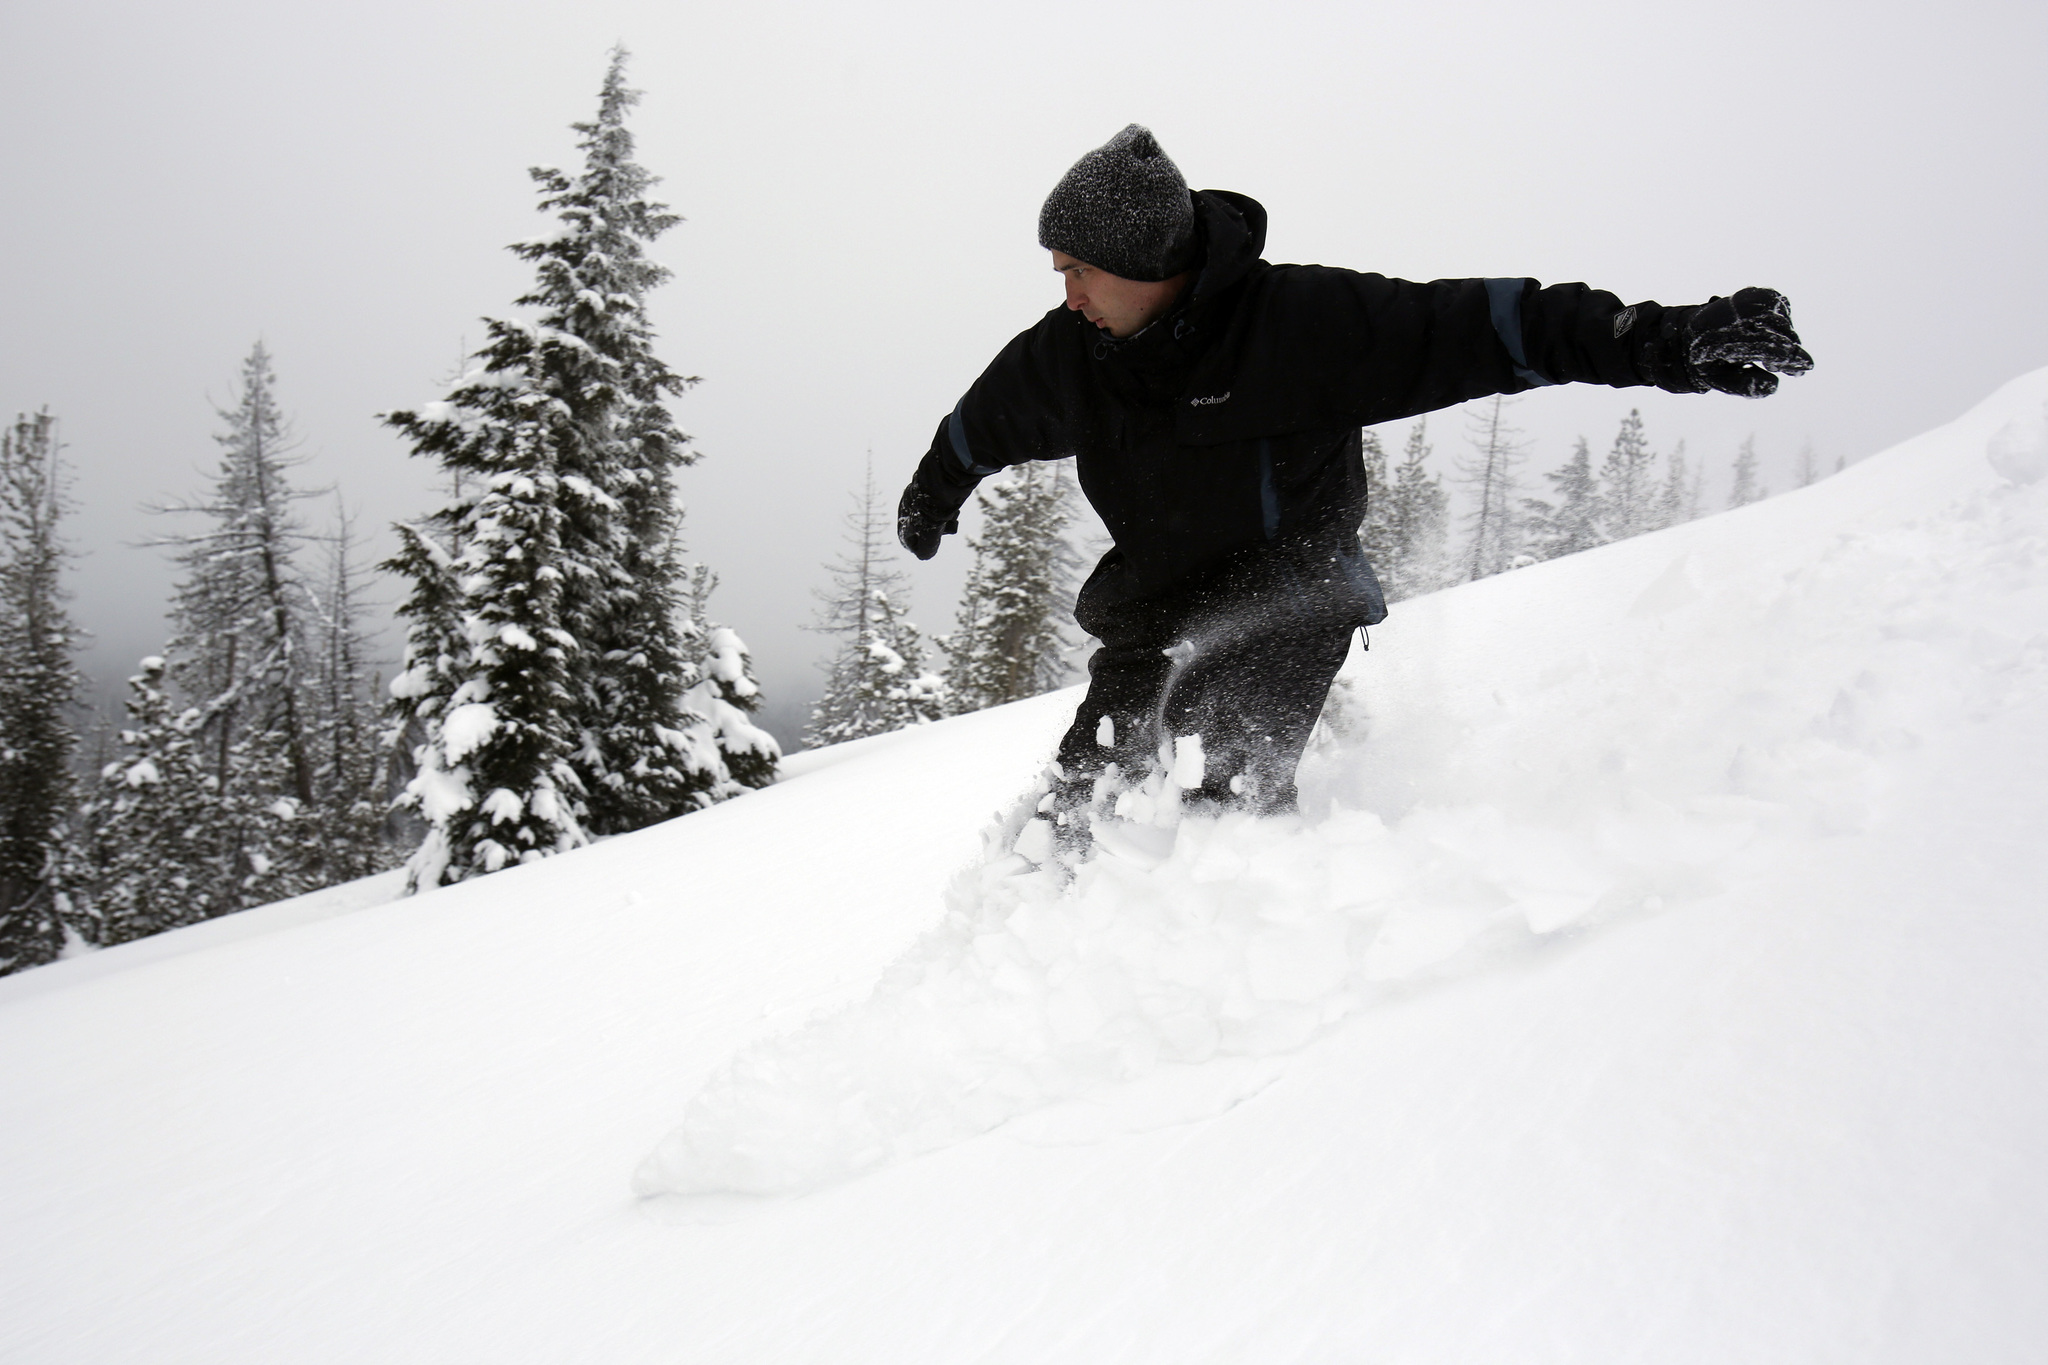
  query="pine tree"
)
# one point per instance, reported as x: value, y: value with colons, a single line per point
x: 877, y: 680
x: 550, y: 649
x: 161, y: 846
x: 1744, y: 490
x: 1674, y: 501
x: 727, y: 694
x: 882, y: 686
x: 1628, y: 493
x: 241, y: 618
x: 1376, y: 533
x: 1809, y: 465
x: 1008, y: 643
x: 499, y: 696
x: 1572, y: 523
x: 643, y: 761
x: 1490, y: 473
x: 349, y: 765
x: 1418, y: 523
x: 39, y: 686
x: 240, y: 608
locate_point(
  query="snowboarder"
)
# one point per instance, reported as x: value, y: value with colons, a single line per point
x: 1212, y: 402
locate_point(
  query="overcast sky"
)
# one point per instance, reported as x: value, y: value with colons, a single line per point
x: 861, y: 185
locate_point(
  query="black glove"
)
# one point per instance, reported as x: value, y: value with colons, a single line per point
x: 921, y: 519
x: 1725, y: 345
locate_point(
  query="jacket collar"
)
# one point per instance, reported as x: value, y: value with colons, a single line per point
x: 1232, y: 228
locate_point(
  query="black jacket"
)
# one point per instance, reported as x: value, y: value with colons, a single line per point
x: 1228, y: 429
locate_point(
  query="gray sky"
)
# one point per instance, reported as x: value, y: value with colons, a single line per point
x: 861, y: 186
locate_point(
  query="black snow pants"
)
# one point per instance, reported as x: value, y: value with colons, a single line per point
x: 1242, y: 655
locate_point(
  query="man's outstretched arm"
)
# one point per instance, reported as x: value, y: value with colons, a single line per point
x: 1738, y: 344
x: 1326, y: 347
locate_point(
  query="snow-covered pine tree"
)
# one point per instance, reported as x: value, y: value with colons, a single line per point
x: 549, y: 651
x: 1572, y: 523
x: 1808, y: 470
x: 726, y: 693
x: 241, y: 618
x: 1490, y: 473
x: 501, y: 696
x: 1628, y: 491
x: 1418, y: 522
x: 39, y: 686
x: 348, y: 762
x: 877, y: 680
x: 1674, y: 500
x: 884, y: 686
x: 1008, y: 642
x: 645, y: 758
x: 436, y: 656
x: 1744, y: 490
x: 161, y: 847
x: 1376, y: 532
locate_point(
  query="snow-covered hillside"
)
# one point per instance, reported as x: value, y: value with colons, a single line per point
x: 1652, y: 976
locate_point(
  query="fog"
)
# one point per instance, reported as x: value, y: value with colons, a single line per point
x: 861, y: 186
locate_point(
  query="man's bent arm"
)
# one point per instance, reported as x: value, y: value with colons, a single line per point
x: 1011, y: 413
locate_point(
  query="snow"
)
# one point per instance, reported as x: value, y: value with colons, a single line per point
x: 413, y: 683
x: 344, y: 899
x: 891, y: 662
x: 2019, y: 449
x: 502, y: 805
x: 1242, y: 938
x: 1652, y: 976
x: 726, y: 660
x: 441, y: 792
x: 468, y: 726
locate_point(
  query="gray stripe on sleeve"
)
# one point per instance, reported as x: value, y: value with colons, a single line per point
x: 957, y: 431
x: 1504, y: 301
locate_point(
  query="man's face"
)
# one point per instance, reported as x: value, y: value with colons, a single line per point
x: 1118, y: 306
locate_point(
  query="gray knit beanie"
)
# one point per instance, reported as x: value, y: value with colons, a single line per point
x: 1123, y: 208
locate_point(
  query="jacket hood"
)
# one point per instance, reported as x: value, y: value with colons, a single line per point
x: 1232, y: 227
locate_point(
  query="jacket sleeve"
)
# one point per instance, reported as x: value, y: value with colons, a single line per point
x: 1324, y: 347
x: 1018, y: 410
x: 1429, y: 346
x: 1573, y: 334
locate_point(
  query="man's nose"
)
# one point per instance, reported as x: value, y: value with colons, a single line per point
x: 1075, y: 298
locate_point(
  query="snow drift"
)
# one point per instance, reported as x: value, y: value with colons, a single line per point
x: 1740, y: 704
x: 1653, y: 974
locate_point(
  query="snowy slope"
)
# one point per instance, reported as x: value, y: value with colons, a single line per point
x: 1654, y: 977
